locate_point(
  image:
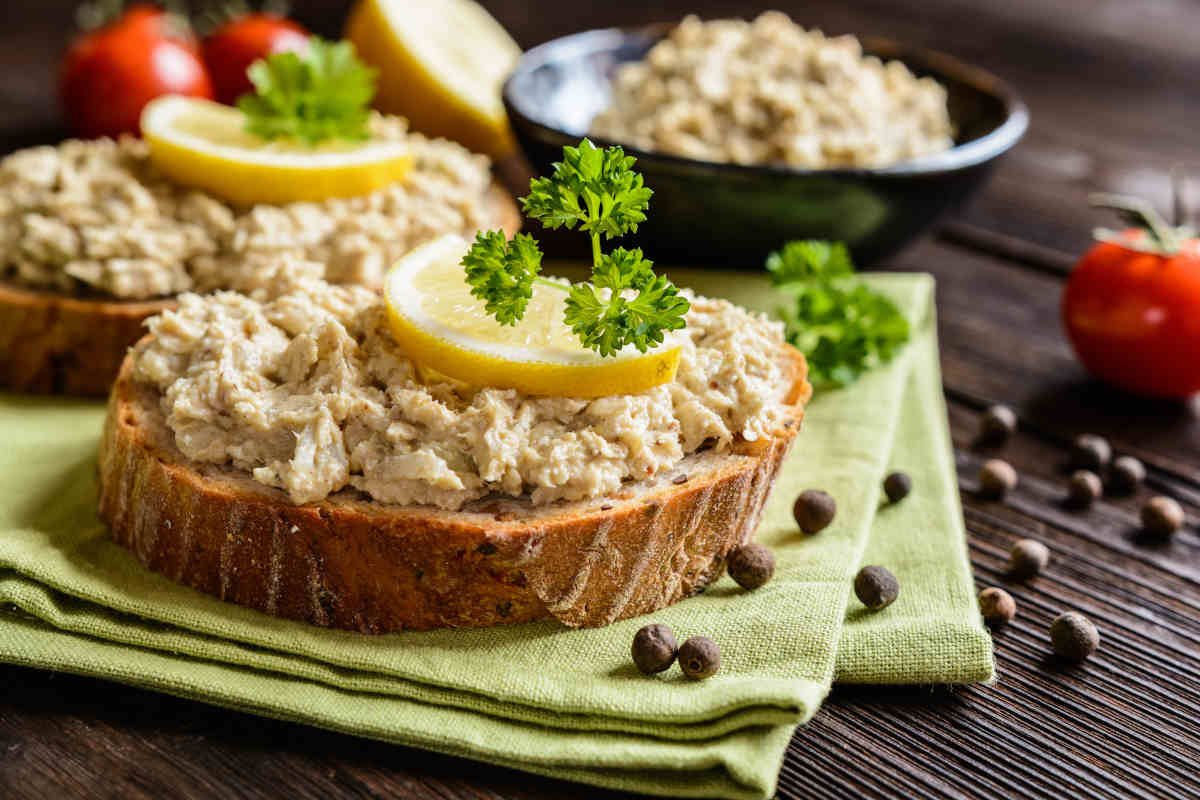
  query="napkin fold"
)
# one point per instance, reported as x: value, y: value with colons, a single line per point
x: 540, y: 697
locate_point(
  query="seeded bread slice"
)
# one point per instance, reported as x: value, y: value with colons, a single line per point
x: 65, y: 344
x: 350, y: 562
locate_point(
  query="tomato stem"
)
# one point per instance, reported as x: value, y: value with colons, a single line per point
x: 1140, y: 214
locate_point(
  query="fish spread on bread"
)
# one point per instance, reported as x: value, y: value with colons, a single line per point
x: 95, y: 217
x: 309, y: 393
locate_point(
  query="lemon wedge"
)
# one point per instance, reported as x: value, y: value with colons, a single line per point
x: 203, y: 144
x: 441, y: 64
x: 446, y: 331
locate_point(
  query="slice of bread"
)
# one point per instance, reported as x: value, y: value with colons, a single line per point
x: 65, y: 344
x: 354, y: 563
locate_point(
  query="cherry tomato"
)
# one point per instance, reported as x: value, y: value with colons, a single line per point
x: 109, y: 74
x: 1133, y: 315
x: 232, y: 48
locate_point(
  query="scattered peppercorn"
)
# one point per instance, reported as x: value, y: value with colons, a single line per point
x: 699, y: 658
x: 1027, y: 558
x: 996, y: 479
x: 1126, y: 475
x: 1161, y: 516
x: 876, y: 587
x: 1073, y: 636
x: 1084, y: 488
x: 751, y: 565
x: 814, y: 510
x: 1090, y: 451
x: 654, y: 648
x: 997, y: 606
x: 997, y: 424
x: 897, y: 486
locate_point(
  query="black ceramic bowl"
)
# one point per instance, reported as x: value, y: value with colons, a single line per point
x: 725, y: 213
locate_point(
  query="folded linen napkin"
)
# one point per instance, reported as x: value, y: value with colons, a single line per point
x: 522, y: 696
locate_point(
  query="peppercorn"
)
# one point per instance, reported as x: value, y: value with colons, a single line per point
x: 876, y: 587
x: 1073, y: 636
x: 897, y: 486
x: 699, y: 658
x: 1090, y: 451
x: 751, y: 565
x: 1126, y: 475
x: 997, y: 424
x: 997, y: 606
x: 654, y: 648
x: 1027, y: 558
x: 996, y: 479
x: 814, y: 510
x: 1161, y: 516
x: 1083, y: 488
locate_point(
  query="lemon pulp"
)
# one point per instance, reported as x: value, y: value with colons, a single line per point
x: 441, y: 64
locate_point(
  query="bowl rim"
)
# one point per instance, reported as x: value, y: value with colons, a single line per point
x: 962, y: 156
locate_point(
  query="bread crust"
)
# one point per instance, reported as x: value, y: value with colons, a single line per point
x: 352, y: 563
x: 58, y: 343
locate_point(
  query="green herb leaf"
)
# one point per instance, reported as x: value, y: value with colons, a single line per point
x: 843, y: 327
x: 626, y: 303
x: 606, y: 321
x: 312, y: 97
x: 594, y: 188
x: 502, y: 273
x: 808, y: 259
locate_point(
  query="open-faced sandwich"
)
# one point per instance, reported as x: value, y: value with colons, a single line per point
x: 480, y: 445
x: 98, y: 235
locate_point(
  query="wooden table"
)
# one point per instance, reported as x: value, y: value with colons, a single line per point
x: 1115, y: 103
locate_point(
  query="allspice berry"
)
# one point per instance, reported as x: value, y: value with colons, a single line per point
x: 997, y: 424
x: 897, y: 486
x: 1073, y: 636
x: 814, y: 510
x: 1126, y: 475
x: 996, y: 479
x: 1084, y: 488
x: 876, y: 587
x: 1090, y: 451
x: 1027, y: 558
x: 1162, y: 516
x: 654, y: 648
x: 699, y: 658
x: 751, y: 565
x: 997, y: 606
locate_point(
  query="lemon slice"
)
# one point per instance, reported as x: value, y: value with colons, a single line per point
x: 441, y: 64
x: 203, y: 144
x: 443, y: 329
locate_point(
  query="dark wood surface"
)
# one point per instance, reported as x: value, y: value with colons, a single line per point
x: 1115, y: 103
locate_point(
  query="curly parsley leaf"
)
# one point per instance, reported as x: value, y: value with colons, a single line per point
x: 593, y: 188
x: 807, y: 259
x: 502, y: 273
x: 842, y: 326
x: 626, y: 303
x: 607, y: 321
x: 320, y: 94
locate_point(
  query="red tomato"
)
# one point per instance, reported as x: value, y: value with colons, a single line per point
x: 1134, y: 316
x: 109, y: 74
x: 237, y: 44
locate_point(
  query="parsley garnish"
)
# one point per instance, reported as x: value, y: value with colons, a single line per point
x: 320, y: 94
x: 841, y: 326
x: 625, y: 303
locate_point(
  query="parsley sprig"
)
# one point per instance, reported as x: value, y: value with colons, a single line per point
x: 625, y: 303
x: 320, y: 94
x: 841, y: 326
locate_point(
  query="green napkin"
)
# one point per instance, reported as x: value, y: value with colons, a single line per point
x: 540, y: 697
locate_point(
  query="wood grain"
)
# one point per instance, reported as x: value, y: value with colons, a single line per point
x: 1115, y: 103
